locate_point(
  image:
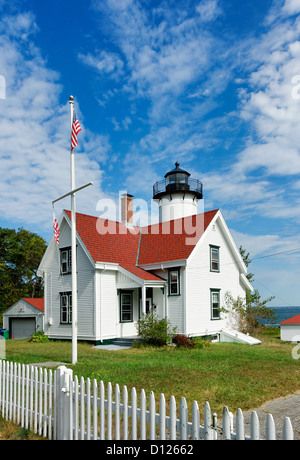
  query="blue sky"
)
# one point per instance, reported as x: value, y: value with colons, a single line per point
x: 212, y: 84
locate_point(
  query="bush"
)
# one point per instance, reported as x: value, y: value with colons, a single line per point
x: 155, y: 331
x: 39, y: 337
x: 183, y: 341
x: 200, y: 342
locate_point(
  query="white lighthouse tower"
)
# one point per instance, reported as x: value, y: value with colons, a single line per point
x: 177, y: 195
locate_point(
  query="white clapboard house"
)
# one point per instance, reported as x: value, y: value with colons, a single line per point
x: 181, y: 267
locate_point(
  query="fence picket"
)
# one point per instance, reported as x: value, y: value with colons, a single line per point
x: 143, y: 415
x: 57, y: 407
x: 76, y: 408
x: 183, y: 420
x: 82, y: 411
x: 287, y: 431
x: 195, y: 421
x: 125, y: 413
x: 102, y: 411
x: 133, y: 414
x: 270, y: 428
x: 88, y: 409
x: 162, y: 417
x: 207, y: 422
x: 152, y: 411
x: 172, y: 418
x: 117, y: 412
x: 95, y: 410
x: 50, y: 406
x: 109, y: 411
x: 254, y: 427
x: 240, y: 431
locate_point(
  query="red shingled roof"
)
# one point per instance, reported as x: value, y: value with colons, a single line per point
x: 37, y: 303
x: 293, y: 320
x: 109, y: 241
x: 173, y: 240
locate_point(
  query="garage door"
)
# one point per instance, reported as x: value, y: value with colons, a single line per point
x: 22, y: 328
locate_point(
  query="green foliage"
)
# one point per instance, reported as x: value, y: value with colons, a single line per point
x: 155, y: 331
x: 249, y: 313
x: 200, y: 342
x: 38, y: 337
x: 20, y: 256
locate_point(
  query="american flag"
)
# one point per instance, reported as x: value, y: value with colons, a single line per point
x: 75, y: 130
x: 55, y: 228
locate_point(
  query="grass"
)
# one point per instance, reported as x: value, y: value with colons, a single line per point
x: 230, y: 374
x: 11, y: 432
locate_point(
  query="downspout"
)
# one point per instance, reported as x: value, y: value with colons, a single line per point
x: 165, y: 292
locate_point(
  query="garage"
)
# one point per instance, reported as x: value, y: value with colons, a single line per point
x: 22, y: 328
x: 24, y: 318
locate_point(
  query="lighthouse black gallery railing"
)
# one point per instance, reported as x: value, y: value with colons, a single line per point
x: 190, y: 185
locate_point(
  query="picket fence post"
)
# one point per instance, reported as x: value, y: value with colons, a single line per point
x: 64, y: 396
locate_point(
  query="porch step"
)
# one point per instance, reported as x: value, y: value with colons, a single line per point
x: 125, y: 341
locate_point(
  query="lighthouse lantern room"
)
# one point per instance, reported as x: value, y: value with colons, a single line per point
x: 177, y: 195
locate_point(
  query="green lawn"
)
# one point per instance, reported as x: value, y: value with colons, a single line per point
x: 228, y: 374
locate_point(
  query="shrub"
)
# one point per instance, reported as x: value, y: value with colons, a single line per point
x: 39, y: 337
x: 155, y: 331
x: 200, y: 342
x: 183, y: 341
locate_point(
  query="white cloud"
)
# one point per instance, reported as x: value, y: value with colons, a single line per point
x: 34, y: 152
x: 208, y: 10
x: 103, y: 62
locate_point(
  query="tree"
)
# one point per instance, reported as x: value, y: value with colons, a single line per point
x: 250, y: 313
x: 20, y: 254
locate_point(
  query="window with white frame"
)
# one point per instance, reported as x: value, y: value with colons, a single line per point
x: 174, y: 281
x: 214, y: 258
x: 215, y: 303
x: 66, y: 307
x: 126, y: 307
x: 65, y: 260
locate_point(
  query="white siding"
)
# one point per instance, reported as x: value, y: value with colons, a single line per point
x: 56, y: 283
x: 290, y: 332
x: 200, y: 280
x: 176, y: 306
x: 106, y: 305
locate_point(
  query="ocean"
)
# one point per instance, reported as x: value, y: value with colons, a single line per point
x: 282, y: 313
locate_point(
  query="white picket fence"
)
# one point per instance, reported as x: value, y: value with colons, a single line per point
x: 58, y: 406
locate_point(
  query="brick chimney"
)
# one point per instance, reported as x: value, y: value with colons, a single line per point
x: 127, y: 208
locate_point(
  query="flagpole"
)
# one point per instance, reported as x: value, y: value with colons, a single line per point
x: 73, y: 243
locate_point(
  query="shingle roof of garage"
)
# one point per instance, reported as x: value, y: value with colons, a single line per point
x: 293, y: 320
x: 35, y: 302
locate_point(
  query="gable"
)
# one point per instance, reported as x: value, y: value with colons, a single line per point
x: 33, y: 305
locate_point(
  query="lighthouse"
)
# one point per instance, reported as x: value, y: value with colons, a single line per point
x: 177, y: 195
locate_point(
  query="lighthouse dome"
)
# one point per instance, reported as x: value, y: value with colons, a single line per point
x: 177, y: 195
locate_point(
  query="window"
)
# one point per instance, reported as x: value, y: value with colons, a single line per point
x: 215, y: 303
x: 66, y: 260
x: 214, y: 259
x: 66, y: 308
x: 126, y: 307
x: 174, y: 281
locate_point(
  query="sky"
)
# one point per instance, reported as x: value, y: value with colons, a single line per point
x: 212, y: 84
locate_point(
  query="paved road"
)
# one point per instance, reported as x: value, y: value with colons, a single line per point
x: 288, y: 406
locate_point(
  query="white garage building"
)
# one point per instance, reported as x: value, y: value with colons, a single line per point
x: 290, y: 329
x: 24, y: 318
